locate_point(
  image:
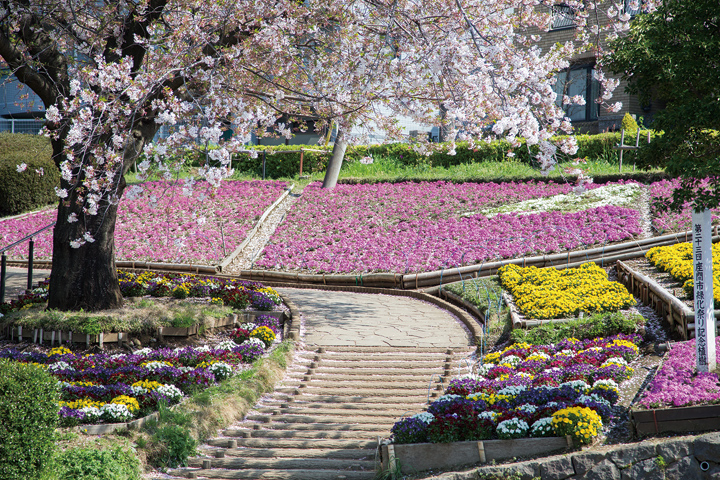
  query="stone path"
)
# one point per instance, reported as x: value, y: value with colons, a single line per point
x: 16, y: 281
x: 361, y: 319
x: 368, y: 361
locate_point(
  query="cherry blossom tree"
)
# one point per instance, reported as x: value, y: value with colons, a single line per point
x: 111, y: 73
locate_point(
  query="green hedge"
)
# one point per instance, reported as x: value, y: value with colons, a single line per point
x: 115, y: 463
x: 278, y: 164
x: 28, y: 417
x: 20, y: 192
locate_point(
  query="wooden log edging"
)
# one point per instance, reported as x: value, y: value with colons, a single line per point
x: 40, y: 335
x: 467, y: 319
x: 105, y: 428
x: 418, y: 457
x: 230, y: 259
x: 458, y: 301
x: 697, y: 418
x: 665, y: 304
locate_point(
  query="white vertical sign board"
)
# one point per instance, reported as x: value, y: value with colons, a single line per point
x: 704, y: 305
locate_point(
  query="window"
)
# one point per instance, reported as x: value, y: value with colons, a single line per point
x: 578, y: 81
x: 563, y: 16
x: 628, y: 7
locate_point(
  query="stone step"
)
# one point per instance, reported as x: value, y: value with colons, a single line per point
x: 369, y: 384
x: 350, y: 426
x: 286, y: 463
x: 311, y: 397
x: 336, y: 391
x: 390, y: 412
x: 380, y: 363
x: 310, y: 434
x: 370, y: 408
x: 264, y: 474
x: 300, y: 443
x: 341, y: 453
x: 305, y: 417
x: 390, y: 350
x: 385, y: 372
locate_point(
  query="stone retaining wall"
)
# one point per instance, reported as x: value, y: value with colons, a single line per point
x: 676, y: 458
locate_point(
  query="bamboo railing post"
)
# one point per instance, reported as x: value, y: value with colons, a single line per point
x: 301, y: 161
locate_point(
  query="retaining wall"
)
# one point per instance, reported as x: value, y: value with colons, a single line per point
x: 677, y: 458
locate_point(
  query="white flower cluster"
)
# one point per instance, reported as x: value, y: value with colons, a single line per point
x: 620, y: 362
x: 512, y: 360
x: 424, y: 416
x: 513, y: 427
x: 92, y: 414
x: 138, y: 390
x: 221, y: 370
x: 115, y: 412
x: 251, y: 341
x: 542, y: 427
x: 512, y: 390
x: 483, y: 369
x: 577, y: 385
x: 171, y: 392
x: 492, y: 416
x: 143, y: 352
x: 585, y: 399
x: 204, y: 348
x: 527, y: 407
x: 226, y: 345
x: 155, y: 365
x: 57, y: 366
x: 447, y: 397
x: 248, y: 326
x: 607, y: 382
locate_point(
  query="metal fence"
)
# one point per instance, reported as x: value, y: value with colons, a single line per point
x: 29, y: 125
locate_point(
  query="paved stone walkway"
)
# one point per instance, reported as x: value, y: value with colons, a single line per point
x: 16, y: 281
x: 370, y: 320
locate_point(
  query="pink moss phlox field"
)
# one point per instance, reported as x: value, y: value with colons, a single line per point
x: 677, y: 384
x: 671, y: 221
x: 411, y: 227
x: 178, y: 228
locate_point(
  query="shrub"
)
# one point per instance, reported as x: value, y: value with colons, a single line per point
x: 28, y: 417
x: 171, y: 438
x: 598, y: 325
x: 629, y: 123
x: 117, y: 463
x: 28, y: 190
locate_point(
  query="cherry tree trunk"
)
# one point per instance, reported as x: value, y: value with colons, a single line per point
x: 338, y: 153
x: 86, y: 277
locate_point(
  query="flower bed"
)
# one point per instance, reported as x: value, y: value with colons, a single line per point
x: 411, y: 227
x: 677, y: 260
x: 210, y: 291
x: 677, y: 384
x: 99, y: 388
x: 529, y: 391
x: 164, y: 225
x: 666, y: 221
x: 545, y: 293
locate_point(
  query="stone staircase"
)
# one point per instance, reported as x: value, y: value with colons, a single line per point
x: 324, y: 421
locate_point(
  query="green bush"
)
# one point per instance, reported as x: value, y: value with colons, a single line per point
x: 592, y: 147
x: 28, y: 417
x: 117, y: 463
x: 629, y: 123
x: 171, y: 440
x: 599, y: 325
x: 20, y: 192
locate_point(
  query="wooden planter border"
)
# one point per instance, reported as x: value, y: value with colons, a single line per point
x: 417, y: 457
x: 697, y: 418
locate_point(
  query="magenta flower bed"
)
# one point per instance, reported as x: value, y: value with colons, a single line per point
x: 677, y: 385
x: 203, y: 228
x: 671, y: 221
x: 412, y: 227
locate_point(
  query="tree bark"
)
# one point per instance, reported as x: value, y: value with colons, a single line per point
x: 86, y: 277
x: 338, y: 153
